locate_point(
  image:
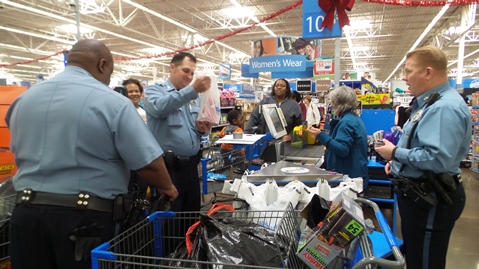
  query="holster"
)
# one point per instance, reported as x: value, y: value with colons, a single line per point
x: 417, y: 192
x: 122, y: 206
x: 441, y: 184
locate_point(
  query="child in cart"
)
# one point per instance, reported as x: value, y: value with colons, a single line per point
x: 235, y: 120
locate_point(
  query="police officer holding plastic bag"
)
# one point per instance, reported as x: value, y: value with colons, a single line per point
x: 172, y: 110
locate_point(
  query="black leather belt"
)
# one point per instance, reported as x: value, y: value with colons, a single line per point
x: 457, y: 179
x: 179, y: 162
x: 81, y: 201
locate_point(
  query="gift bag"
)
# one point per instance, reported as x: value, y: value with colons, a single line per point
x: 210, y: 110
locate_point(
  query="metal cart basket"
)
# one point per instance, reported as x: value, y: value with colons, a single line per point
x: 143, y: 245
x: 219, y: 164
x: 6, y: 206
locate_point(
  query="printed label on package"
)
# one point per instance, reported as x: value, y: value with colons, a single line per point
x: 354, y: 227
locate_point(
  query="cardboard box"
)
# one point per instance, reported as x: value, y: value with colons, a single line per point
x: 342, y: 224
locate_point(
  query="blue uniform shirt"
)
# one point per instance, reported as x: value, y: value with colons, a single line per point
x: 72, y: 133
x: 171, y: 116
x: 442, y: 137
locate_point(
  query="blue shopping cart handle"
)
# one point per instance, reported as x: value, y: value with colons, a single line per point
x: 160, y: 214
x: 381, y: 220
x: 391, y: 240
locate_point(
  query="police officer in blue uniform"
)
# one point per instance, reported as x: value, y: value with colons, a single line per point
x: 75, y: 141
x: 427, y: 157
x: 172, y: 109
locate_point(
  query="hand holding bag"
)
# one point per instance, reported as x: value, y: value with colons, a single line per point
x: 210, y: 110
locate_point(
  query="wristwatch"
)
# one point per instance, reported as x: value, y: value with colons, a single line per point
x: 393, y: 154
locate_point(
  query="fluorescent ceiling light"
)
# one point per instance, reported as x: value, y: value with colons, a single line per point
x: 360, y: 48
x: 153, y: 51
x: 360, y: 24
x: 35, y: 35
x: 160, y: 16
x: 236, y: 56
x: 262, y: 25
x: 20, y: 58
x: 420, y: 38
x: 71, y: 28
x: 456, y: 30
x: 237, y: 12
x: 31, y: 66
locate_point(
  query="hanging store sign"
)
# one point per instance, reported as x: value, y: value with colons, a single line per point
x: 313, y: 18
x: 286, y: 63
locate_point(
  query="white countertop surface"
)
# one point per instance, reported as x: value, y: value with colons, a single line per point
x: 248, y: 139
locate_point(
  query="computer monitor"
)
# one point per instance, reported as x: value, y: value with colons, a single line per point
x: 275, y: 120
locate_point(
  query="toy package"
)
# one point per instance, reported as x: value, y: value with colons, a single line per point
x: 342, y: 224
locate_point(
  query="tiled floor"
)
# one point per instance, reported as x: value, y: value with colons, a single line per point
x: 463, y: 250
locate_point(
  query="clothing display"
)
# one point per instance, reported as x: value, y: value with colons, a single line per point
x: 313, y: 115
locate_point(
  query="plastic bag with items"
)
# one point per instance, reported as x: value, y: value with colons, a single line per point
x: 220, y: 238
x: 210, y: 110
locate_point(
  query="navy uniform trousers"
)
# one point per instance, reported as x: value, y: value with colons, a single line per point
x: 184, y: 175
x: 39, y: 235
x: 426, y: 232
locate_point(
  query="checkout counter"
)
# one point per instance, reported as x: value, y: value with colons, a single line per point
x: 309, y: 157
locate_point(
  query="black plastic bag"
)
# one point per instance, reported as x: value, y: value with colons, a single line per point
x: 231, y: 241
x: 197, y: 254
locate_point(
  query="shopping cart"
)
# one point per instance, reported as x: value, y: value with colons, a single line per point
x: 143, y: 246
x: 6, y: 206
x: 363, y: 256
x: 219, y: 164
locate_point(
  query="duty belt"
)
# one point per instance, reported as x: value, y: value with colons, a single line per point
x: 81, y: 201
x: 179, y: 162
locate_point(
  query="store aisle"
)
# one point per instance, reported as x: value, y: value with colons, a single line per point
x: 463, y: 250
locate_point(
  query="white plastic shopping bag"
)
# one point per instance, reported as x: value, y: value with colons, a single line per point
x: 271, y: 192
x: 324, y: 190
x: 210, y: 110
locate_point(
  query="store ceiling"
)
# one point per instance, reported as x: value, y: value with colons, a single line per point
x: 29, y: 29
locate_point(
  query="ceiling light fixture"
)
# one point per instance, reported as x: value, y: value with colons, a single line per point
x: 360, y: 24
x: 237, y: 12
x: 262, y: 25
x: 71, y: 28
x: 360, y: 48
x: 350, y: 45
x: 465, y: 57
x: 428, y: 28
x: 59, y: 40
x: 160, y: 16
x: 48, y: 14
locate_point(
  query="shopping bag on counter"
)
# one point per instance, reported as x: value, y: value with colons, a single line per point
x: 227, y: 240
x: 210, y: 110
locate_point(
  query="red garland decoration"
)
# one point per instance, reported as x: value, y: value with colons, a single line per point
x: 329, y: 6
x: 271, y: 16
x: 235, y: 32
x: 422, y: 3
x: 34, y: 60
